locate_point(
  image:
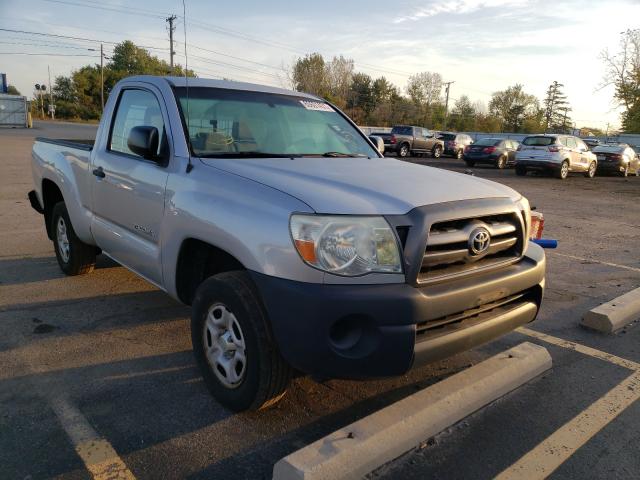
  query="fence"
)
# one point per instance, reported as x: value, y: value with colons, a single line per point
x: 13, y: 111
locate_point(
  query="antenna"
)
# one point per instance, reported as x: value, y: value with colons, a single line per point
x: 186, y: 81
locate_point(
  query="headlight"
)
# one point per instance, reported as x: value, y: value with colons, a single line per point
x: 346, y: 245
x: 525, y: 208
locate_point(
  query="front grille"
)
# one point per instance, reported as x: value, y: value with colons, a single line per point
x: 426, y: 330
x: 449, y: 253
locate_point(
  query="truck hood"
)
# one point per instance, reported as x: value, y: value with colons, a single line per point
x: 362, y: 186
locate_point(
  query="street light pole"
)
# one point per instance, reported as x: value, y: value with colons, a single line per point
x: 446, y: 105
x: 51, y: 108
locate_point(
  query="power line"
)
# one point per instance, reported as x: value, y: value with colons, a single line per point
x: 50, y: 54
x: 129, y: 10
x: 69, y: 37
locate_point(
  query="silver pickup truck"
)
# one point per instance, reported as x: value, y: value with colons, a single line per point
x: 299, y: 247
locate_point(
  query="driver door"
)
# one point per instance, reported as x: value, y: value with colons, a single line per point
x: 128, y: 190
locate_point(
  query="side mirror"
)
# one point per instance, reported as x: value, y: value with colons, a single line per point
x: 378, y: 142
x: 144, y: 141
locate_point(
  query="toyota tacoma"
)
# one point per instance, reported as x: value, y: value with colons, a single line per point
x: 298, y: 245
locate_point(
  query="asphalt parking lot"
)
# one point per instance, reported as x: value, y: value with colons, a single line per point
x: 112, y: 352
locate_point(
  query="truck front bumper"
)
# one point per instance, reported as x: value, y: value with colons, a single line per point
x: 367, y: 331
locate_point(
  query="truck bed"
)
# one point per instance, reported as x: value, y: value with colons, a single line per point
x: 82, y: 144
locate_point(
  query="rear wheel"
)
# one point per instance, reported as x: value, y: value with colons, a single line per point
x: 591, y: 172
x: 501, y: 163
x: 563, y: 171
x: 233, y: 345
x: 459, y: 154
x: 74, y: 256
x: 470, y: 163
x: 436, y: 152
x: 404, y: 150
x: 521, y: 171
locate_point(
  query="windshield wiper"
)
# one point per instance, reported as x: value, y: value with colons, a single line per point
x: 334, y: 154
x: 247, y: 155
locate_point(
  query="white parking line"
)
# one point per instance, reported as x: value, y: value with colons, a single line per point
x: 548, y: 455
x: 607, y: 357
x: 552, y: 452
x: 593, y: 260
x: 98, y: 455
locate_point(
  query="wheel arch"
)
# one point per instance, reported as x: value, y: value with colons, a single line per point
x: 51, y: 194
x: 197, y: 261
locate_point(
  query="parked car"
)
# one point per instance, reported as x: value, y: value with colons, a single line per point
x: 592, y: 142
x: 455, y: 143
x: 620, y: 158
x: 407, y: 140
x: 298, y: 245
x: 500, y: 152
x: 558, y: 154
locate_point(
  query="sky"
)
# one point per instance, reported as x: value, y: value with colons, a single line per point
x: 482, y: 45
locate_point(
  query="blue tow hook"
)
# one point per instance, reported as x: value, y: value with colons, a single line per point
x: 546, y: 242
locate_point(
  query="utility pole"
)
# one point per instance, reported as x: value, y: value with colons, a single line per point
x: 51, y: 106
x: 172, y: 29
x: 102, y: 76
x: 446, y: 104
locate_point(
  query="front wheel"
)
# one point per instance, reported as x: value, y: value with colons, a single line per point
x: 234, y: 348
x: 591, y: 172
x: 404, y: 151
x: 459, y: 154
x: 501, y: 163
x: 563, y: 172
x: 436, y: 152
x: 74, y: 256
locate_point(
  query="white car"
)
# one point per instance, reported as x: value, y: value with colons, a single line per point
x: 560, y: 154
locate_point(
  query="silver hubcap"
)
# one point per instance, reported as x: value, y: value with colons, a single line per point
x: 565, y: 170
x: 63, y: 240
x: 224, y: 346
x: 592, y: 169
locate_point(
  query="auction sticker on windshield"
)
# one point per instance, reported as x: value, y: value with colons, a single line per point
x: 320, y: 106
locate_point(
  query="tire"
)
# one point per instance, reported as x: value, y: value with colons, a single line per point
x: 404, y: 150
x: 501, y: 163
x: 459, y: 154
x: 470, y: 163
x: 591, y: 172
x: 229, y: 303
x: 74, y: 256
x: 562, y: 172
x: 436, y: 152
x: 521, y: 171
x: 625, y: 173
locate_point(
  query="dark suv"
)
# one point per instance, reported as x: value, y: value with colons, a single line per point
x: 455, y: 143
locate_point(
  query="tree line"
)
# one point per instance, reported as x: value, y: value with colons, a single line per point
x: 377, y: 101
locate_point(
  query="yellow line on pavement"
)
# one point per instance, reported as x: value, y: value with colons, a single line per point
x: 607, y: 357
x: 552, y: 452
x: 98, y: 455
x: 593, y: 260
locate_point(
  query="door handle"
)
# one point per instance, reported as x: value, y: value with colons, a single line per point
x: 99, y: 172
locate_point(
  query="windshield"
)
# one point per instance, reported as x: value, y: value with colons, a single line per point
x: 238, y: 123
x: 447, y: 136
x: 539, y: 141
x: 609, y: 148
x: 488, y: 141
x: 402, y: 130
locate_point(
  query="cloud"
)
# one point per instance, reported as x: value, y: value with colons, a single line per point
x: 454, y: 7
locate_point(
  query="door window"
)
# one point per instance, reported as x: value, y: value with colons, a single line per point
x: 136, y: 108
x: 571, y: 143
x: 418, y: 132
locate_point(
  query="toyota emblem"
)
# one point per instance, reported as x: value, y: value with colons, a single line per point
x: 479, y: 241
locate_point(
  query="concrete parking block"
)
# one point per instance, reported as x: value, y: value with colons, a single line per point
x: 361, y: 447
x: 612, y: 316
